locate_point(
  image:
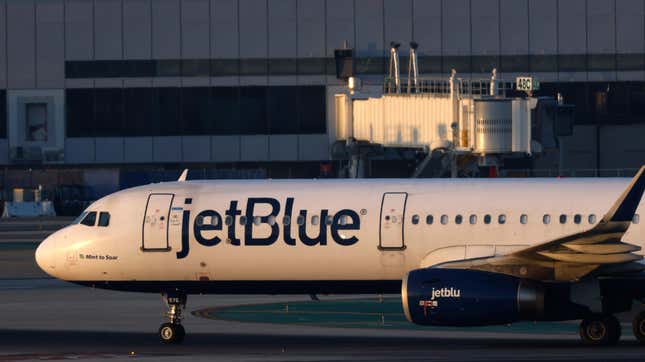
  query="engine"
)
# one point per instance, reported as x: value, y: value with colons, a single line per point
x: 460, y: 297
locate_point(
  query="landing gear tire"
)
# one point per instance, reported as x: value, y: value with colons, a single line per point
x: 638, y: 327
x: 172, y: 333
x: 600, y: 330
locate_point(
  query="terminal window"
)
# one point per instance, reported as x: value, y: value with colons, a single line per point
x: 175, y: 111
x: 3, y: 113
x: 36, y: 121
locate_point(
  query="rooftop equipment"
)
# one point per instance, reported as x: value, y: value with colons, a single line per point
x: 395, y: 74
x: 344, y: 59
x: 413, y: 68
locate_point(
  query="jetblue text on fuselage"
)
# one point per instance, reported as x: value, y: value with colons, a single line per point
x: 344, y: 219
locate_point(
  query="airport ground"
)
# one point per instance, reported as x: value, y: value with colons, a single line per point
x: 46, y: 319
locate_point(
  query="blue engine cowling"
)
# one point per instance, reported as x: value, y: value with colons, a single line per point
x: 459, y: 297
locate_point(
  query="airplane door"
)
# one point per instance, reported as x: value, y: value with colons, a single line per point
x: 155, y: 222
x: 391, y: 233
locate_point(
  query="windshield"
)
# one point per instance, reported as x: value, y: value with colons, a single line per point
x: 79, y: 218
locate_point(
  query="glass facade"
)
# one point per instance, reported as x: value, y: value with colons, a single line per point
x: 3, y: 113
x: 375, y: 65
x: 602, y: 103
x: 166, y: 111
x: 210, y: 67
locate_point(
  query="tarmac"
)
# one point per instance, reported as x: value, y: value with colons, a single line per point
x: 47, y: 319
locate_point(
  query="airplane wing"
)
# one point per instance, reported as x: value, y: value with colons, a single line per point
x: 598, y: 249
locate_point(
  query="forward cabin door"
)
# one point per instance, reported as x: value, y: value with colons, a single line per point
x: 392, y: 233
x: 155, y: 222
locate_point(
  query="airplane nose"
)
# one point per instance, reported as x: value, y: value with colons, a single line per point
x: 44, y: 257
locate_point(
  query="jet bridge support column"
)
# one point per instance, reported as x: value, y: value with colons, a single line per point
x: 357, y: 166
x: 453, y: 165
x: 357, y: 161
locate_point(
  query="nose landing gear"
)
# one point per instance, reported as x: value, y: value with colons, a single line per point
x: 173, y: 332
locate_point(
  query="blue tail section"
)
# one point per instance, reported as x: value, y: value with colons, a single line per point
x: 625, y: 207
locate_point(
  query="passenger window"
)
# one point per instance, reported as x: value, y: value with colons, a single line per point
x: 487, y: 219
x: 473, y: 219
x: 300, y: 220
x: 104, y: 219
x: 271, y: 220
x: 592, y: 219
x: 286, y: 220
x: 89, y: 219
x: 429, y: 219
x: 546, y: 219
x: 563, y: 219
x: 415, y: 219
x: 636, y: 219
x: 207, y: 220
x: 228, y: 220
x: 256, y: 220
x: 524, y: 219
x: 458, y: 219
x: 501, y: 219
x: 242, y: 220
x: 444, y: 219
x: 315, y: 219
x: 577, y: 218
x: 329, y: 220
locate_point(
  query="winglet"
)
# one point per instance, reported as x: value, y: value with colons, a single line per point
x: 183, y: 176
x: 625, y: 207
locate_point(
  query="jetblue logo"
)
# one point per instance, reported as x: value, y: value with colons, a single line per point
x: 445, y: 293
x: 343, y: 220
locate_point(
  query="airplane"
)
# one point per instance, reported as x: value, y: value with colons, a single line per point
x: 461, y: 252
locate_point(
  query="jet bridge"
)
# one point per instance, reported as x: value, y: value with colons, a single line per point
x: 443, y: 114
x: 485, y: 119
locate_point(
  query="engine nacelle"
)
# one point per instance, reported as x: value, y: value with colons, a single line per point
x: 460, y: 297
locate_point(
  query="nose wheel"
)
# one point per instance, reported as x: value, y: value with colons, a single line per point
x: 173, y: 332
x: 600, y: 330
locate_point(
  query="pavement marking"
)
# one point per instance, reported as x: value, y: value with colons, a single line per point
x: 358, y: 313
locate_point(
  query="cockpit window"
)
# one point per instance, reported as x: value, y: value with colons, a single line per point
x: 89, y: 219
x: 104, y: 219
x: 79, y: 218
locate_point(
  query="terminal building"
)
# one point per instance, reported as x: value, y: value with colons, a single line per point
x: 246, y: 87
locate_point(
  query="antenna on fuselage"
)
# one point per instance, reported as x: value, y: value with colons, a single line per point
x: 183, y: 176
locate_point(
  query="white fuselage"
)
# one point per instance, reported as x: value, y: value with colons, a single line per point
x: 381, y: 232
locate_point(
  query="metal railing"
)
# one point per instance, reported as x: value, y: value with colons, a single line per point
x: 569, y: 172
x: 73, y: 189
x: 424, y: 86
x: 441, y: 86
